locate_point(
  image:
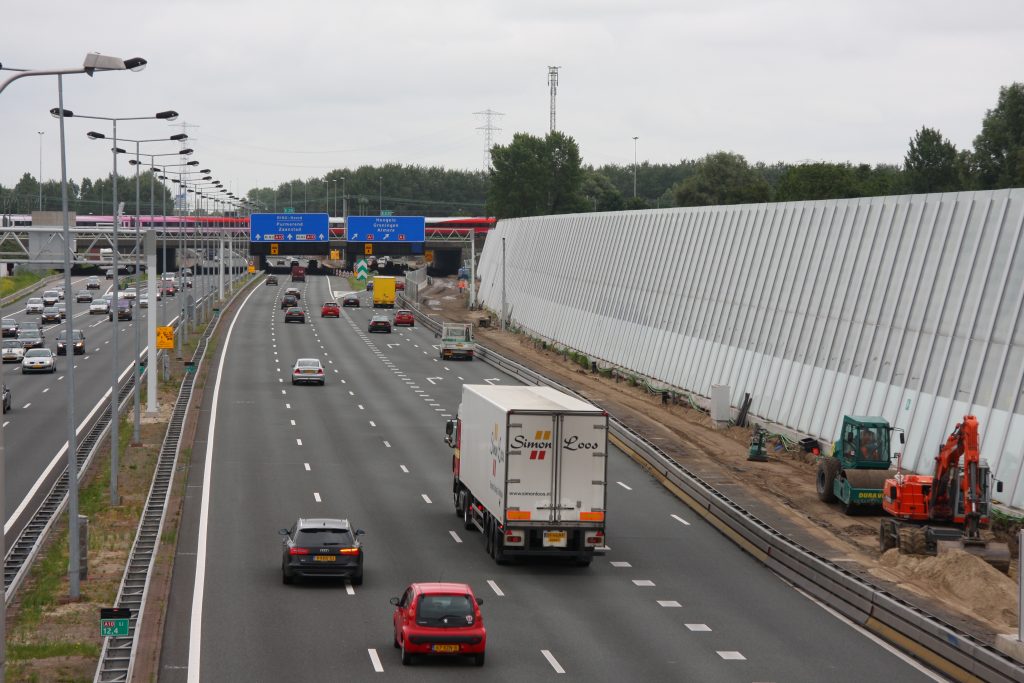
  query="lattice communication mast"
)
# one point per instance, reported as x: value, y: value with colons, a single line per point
x: 553, y: 84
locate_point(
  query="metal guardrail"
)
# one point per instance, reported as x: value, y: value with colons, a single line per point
x: 911, y: 628
x: 26, y: 546
x: 117, y: 658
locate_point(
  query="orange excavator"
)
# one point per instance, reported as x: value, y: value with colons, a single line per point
x: 947, y: 509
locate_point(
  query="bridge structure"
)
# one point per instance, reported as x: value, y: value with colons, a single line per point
x: 38, y: 239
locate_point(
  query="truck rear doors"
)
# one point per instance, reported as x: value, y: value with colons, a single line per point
x: 556, y: 467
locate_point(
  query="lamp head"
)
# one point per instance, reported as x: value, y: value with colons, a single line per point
x: 168, y: 115
x: 135, y: 64
x: 192, y: 163
x: 56, y: 113
x: 179, y: 136
x: 93, y: 135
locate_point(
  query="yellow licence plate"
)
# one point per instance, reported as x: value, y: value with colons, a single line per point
x: 554, y: 536
x: 307, y: 372
x: 445, y: 648
x: 325, y: 558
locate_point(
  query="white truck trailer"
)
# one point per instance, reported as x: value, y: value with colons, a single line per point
x: 530, y: 468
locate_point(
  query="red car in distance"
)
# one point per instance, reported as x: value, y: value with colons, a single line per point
x: 439, y: 619
x: 404, y: 317
x: 330, y: 309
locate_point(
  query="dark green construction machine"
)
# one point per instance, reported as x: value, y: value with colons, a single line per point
x: 856, y: 469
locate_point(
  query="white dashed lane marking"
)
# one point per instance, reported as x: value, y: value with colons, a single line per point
x: 404, y: 469
x: 625, y: 486
x: 644, y: 583
x: 426, y: 498
x: 316, y: 496
x: 375, y: 660
x: 298, y: 442
x: 494, y: 587
x: 669, y: 603
x: 621, y: 564
x: 680, y: 520
x: 698, y: 627
x: 306, y: 465
x: 455, y: 536
x: 730, y: 654
x: 387, y: 444
x: 552, y: 661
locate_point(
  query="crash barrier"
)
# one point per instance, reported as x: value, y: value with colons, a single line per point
x: 912, y: 629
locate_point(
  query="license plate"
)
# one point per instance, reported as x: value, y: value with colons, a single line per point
x: 325, y: 558
x: 307, y: 372
x: 555, y: 538
x: 445, y: 648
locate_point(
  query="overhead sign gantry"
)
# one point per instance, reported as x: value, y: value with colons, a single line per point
x: 289, y: 234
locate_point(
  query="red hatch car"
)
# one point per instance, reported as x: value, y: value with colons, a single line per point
x: 330, y: 309
x: 400, y: 285
x: 404, y: 317
x: 294, y: 315
x: 439, y: 618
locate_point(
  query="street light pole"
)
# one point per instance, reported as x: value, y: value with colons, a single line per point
x: 41, y: 167
x: 137, y: 427
x: 114, y: 421
x: 635, y: 138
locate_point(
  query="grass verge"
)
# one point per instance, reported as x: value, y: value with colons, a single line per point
x: 14, y: 283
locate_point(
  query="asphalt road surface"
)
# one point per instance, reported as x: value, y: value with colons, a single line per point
x: 672, y: 599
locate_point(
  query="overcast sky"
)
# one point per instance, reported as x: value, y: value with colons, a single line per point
x: 280, y: 89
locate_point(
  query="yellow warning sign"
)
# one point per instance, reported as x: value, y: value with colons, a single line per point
x: 368, y: 249
x: 335, y: 254
x: 165, y: 337
x: 252, y: 268
x: 428, y: 255
x: 275, y: 249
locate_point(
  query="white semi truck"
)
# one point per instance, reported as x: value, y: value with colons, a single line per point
x: 530, y: 468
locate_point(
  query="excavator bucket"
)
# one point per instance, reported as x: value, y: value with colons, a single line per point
x: 994, y: 553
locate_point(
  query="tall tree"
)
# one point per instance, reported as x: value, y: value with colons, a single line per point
x: 534, y: 177
x: 999, y: 148
x: 931, y: 163
x: 722, y: 178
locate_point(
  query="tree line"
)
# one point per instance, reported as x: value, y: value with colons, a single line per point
x: 535, y: 175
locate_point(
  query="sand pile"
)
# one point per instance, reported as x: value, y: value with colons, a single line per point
x: 964, y: 578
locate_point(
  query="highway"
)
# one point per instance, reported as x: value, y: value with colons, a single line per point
x: 672, y: 599
x: 35, y: 430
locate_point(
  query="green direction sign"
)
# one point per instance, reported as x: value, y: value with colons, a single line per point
x: 387, y: 212
x: 289, y: 209
x: 114, y: 621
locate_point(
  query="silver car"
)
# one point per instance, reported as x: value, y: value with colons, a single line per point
x: 51, y: 297
x: 99, y: 306
x: 34, y: 305
x: 308, y: 370
x: 38, y: 360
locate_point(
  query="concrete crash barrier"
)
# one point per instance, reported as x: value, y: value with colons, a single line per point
x: 931, y: 640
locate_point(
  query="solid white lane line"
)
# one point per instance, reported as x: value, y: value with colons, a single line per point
x: 643, y: 582
x: 404, y: 469
x: 375, y: 660
x: 730, y: 654
x: 699, y: 627
x: 387, y: 444
x: 426, y: 498
x: 669, y: 603
x: 298, y: 441
x: 199, y: 584
x: 494, y: 587
x: 621, y: 564
x: 454, y: 536
x: 680, y: 520
x: 316, y: 496
x: 306, y: 465
x: 552, y: 661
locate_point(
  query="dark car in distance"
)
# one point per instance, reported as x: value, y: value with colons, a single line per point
x: 271, y: 279
x: 379, y: 323
x: 295, y: 315
x: 289, y: 301
x: 321, y: 547
x: 77, y: 342
x: 350, y: 300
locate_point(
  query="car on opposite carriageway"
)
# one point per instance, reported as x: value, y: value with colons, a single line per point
x: 10, y: 327
x: 38, y: 360
x: 77, y: 342
x: 13, y: 351
x: 321, y: 547
x: 34, y: 305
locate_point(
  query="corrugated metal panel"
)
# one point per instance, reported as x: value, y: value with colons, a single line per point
x: 908, y: 307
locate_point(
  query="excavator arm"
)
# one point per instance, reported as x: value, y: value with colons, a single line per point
x: 962, y: 443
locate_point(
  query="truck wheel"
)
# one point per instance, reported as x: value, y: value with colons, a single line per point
x: 886, y: 535
x: 467, y: 516
x: 828, y: 468
x: 457, y: 498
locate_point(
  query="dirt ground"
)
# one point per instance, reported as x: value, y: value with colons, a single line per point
x: 958, y: 587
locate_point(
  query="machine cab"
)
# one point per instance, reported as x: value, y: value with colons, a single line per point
x: 864, y: 443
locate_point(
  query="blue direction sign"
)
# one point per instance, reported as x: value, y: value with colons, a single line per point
x: 288, y: 227
x: 386, y: 229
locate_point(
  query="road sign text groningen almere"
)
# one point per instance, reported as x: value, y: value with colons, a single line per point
x: 288, y: 233
x: 386, y: 229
